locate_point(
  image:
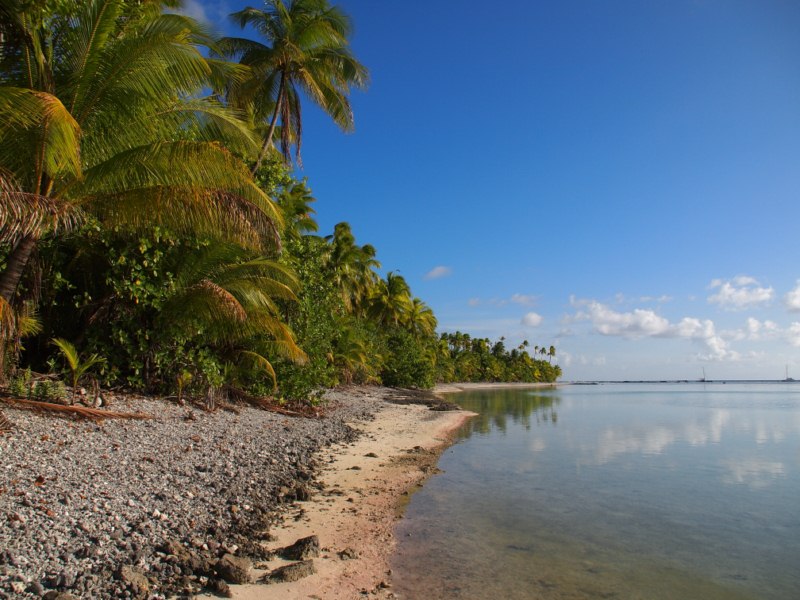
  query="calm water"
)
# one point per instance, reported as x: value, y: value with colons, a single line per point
x: 613, y: 491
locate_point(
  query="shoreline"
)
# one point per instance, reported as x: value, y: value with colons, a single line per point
x: 454, y: 388
x: 160, y: 507
x: 364, y: 486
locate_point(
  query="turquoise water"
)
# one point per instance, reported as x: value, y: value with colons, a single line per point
x: 623, y: 491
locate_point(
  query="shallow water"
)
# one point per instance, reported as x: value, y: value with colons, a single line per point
x: 628, y: 491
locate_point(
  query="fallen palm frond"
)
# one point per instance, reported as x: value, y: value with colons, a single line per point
x: 94, y: 414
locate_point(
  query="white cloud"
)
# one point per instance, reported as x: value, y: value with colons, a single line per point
x: 644, y: 323
x: 523, y: 299
x: 474, y: 301
x: 438, y: 273
x: 532, y: 319
x: 793, y: 334
x: 757, y: 330
x: 606, y: 321
x: 739, y: 293
x: 792, y: 299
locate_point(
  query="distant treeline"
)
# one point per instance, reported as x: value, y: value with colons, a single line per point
x: 469, y: 359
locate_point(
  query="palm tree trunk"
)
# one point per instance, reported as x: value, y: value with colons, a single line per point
x: 272, y: 125
x: 17, y: 261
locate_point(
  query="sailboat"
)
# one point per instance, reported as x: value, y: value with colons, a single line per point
x: 702, y: 379
x: 787, y: 374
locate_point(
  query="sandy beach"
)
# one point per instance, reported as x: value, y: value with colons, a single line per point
x: 364, y: 484
x: 453, y: 388
x: 159, y: 507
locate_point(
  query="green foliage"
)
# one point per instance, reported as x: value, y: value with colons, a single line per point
x: 21, y: 384
x: 24, y: 386
x: 77, y: 367
x: 49, y: 391
x: 408, y: 363
x: 463, y: 359
x: 156, y: 247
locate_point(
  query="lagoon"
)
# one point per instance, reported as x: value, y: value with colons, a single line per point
x: 651, y: 491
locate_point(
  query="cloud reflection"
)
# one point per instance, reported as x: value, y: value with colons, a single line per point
x: 616, y: 441
x: 754, y: 473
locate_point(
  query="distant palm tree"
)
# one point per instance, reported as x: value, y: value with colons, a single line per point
x: 306, y: 49
x: 295, y: 204
x: 353, y: 267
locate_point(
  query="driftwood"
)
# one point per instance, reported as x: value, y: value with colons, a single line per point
x: 95, y: 414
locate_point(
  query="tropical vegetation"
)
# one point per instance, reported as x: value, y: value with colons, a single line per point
x: 155, y: 235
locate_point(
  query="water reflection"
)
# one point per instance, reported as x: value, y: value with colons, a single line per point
x: 754, y: 473
x: 612, y: 491
x: 496, y: 408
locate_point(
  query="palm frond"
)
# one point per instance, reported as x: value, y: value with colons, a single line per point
x: 259, y: 362
x: 58, y: 151
x: 31, y: 215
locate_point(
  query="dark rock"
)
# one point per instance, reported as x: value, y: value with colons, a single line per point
x: 220, y: 587
x: 302, y: 549
x: 234, y: 569
x: 302, y: 493
x: 292, y: 572
x: 36, y: 588
x: 175, y: 548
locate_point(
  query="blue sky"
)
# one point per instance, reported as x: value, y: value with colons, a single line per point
x: 620, y: 179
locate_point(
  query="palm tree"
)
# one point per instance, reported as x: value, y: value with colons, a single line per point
x: 226, y: 298
x: 352, y: 267
x: 419, y: 319
x: 295, y: 204
x: 350, y: 354
x: 100, y: 114
x: 307, y: 51
x: 390, y: 300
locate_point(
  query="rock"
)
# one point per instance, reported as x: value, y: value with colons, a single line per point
x: 175, y: 548
x: 234, y: 569
x: 292, y: 572
x: 348, y: 554
x: 302, y: 493
x: 218, y: 586
x: 135, y: 580
x: 35, y: 588
x: 302, y: 549
x: 54, y: 595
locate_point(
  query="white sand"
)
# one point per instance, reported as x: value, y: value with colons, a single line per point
x: 358, y: 508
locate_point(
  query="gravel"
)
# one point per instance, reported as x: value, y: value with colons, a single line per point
x: 146, y: 509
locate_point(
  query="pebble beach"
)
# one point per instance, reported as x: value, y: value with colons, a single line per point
x: 186, y: 501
